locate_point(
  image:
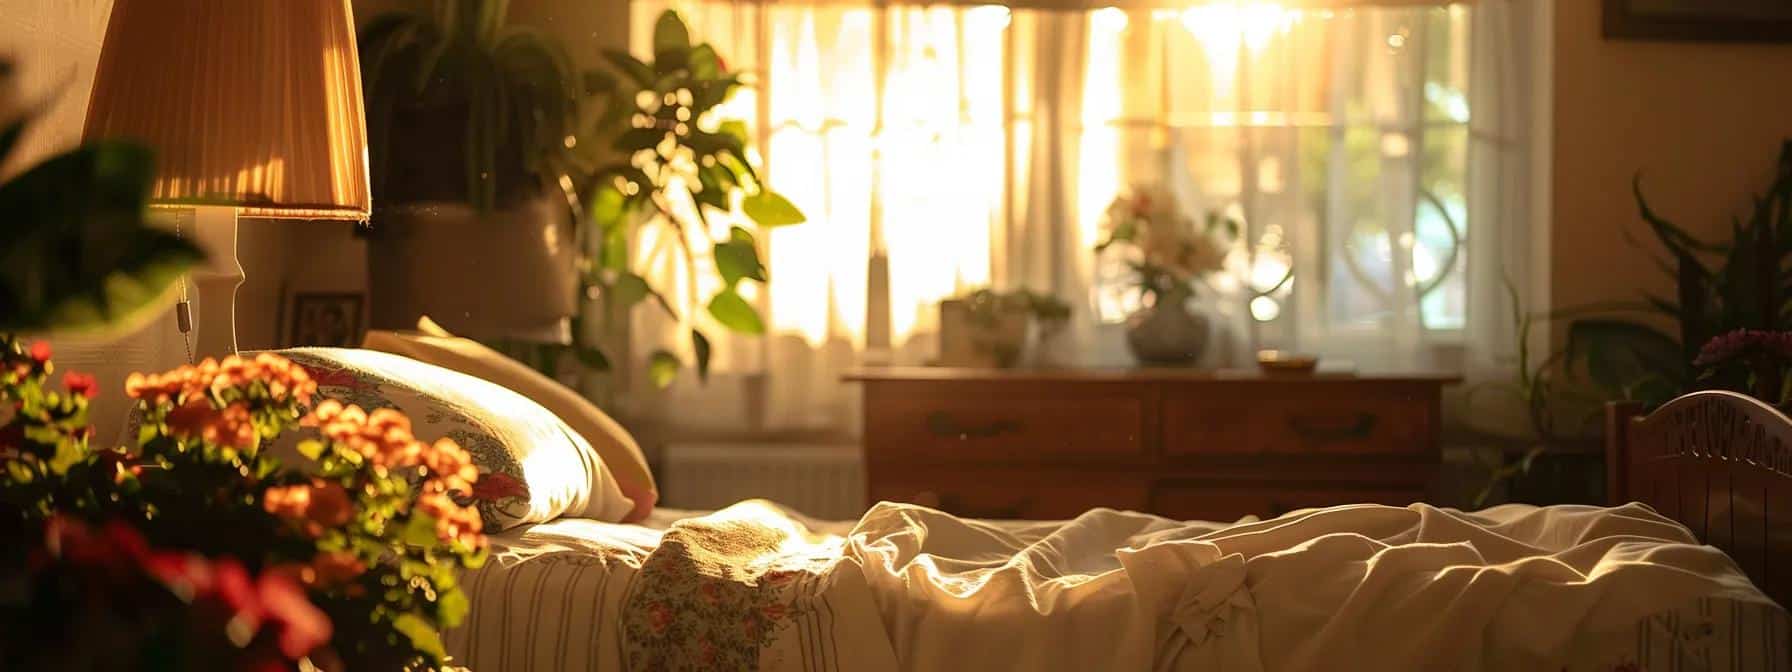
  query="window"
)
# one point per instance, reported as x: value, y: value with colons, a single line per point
x: 1366, y: 150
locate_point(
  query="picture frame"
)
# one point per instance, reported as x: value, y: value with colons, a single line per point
x: 1698, y: 20
x: 325, y: 319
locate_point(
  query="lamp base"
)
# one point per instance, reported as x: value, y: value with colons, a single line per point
x: 214, y: 230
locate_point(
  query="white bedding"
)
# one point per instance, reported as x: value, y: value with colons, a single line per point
x: 1353, y: 587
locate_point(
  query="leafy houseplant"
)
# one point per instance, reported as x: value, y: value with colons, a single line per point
x: 349, y: 560
x: 990, y: 328
x: 78, y: 254
x: 683, y: 168
x: 1719, y: 288
x: 469, y: 121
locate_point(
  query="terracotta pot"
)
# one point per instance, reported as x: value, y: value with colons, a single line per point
x: 502, y: 274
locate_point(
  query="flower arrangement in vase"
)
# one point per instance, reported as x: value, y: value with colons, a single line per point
x: 196, y: 549
x: 1169, y: 252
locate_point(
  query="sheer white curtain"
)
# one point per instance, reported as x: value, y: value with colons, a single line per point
x: 1375, y: 153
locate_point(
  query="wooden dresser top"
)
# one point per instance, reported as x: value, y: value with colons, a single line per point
x: 1140, y: 375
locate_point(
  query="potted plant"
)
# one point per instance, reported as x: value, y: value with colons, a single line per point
x: 991, y: 329
x: 1725, y: 332
x: 679, y: 167
x: 1724, y: 291
x: 1169, y: 252
x: 469, y: 121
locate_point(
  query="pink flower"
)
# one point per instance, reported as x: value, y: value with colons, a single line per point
x: 1745, y: 342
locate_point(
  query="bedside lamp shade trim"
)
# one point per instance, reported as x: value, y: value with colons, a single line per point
x: 250, y: 105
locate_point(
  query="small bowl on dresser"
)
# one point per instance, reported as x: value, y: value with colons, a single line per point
x: 1285, y: 363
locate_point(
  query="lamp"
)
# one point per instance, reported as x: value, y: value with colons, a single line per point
x: 253, y: 108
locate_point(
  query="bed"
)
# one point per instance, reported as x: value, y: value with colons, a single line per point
x: 1626, y: 587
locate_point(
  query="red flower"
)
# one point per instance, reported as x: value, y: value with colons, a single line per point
x: 81, y: 384
x: 40, y: 351
x: 301, y: 626
x: 495, y: 486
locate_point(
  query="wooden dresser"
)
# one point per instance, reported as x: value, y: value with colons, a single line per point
x: 1211, y: 445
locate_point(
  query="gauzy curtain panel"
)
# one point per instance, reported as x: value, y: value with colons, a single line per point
x: 1375, y: 154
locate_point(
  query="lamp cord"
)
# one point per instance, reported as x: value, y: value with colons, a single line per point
x: 183, y: 309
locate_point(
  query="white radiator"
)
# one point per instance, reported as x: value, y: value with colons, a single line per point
x: 821, y: 481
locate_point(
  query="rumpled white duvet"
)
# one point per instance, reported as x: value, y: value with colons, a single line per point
x: 1353, y: 587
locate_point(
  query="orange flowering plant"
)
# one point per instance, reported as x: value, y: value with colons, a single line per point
x: 347, y: 556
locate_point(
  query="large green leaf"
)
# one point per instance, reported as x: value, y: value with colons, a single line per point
x: 704, y: 63
x: 1627, y: 359
x: 78, y: 255
x: 671, y: 42
x: 636, y: 71
x: 738, y: 258
x: 768, y: 209
x: 628, y: 290
x: 733, y: 312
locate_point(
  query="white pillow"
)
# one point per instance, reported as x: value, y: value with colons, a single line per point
x: 504, y: 431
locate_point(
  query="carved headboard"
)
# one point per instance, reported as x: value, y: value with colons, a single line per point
x: 1721, y: 464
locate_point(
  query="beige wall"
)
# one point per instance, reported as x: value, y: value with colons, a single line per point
x: 1702, y: 122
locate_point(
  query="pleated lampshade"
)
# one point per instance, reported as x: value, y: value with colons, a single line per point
x: 254, y: 104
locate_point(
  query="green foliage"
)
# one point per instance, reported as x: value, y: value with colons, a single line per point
x: 1739, y: 283
x: 517, y: 88
x: 679, y: 167
x: 987, y: 305
x: 78, y: 255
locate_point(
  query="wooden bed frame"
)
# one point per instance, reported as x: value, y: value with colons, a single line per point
x: 1719, y: 463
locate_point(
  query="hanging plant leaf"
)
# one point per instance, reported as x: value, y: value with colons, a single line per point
x: 700, y: 348
x: 770, y: 210
x: 733, y: 312
x: 592, y: 358
x: 662, y: 368
x: 738, y: 258
x: 628, y: 290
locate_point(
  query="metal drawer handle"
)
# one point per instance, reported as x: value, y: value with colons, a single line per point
x: 942, y: 425
x: 1359, y: 427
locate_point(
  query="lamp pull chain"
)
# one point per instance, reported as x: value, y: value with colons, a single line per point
x: 183, y: 309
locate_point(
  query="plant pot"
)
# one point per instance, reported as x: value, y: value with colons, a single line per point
x: 1168, y: 333
x: 508, y: 273
x: 966, y: 340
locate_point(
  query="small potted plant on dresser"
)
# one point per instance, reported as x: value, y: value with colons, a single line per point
x: 468, y: 127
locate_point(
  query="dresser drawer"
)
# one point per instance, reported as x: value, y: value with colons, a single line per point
x: 1004, y: 424
x: 1344, y: 419
x: 1008, y: 495
x: 1226, y: 502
